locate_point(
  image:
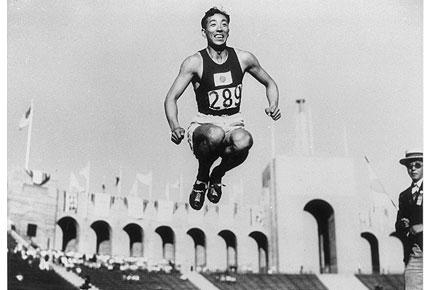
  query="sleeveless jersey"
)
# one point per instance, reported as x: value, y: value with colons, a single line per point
x: 220, y: 89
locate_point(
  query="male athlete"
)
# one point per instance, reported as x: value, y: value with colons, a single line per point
x: 216, y: 73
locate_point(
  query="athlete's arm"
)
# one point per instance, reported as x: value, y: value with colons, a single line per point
x: 186, y: 73
x: 252, y: 66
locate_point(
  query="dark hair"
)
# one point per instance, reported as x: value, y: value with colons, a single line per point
x: 212, y: 12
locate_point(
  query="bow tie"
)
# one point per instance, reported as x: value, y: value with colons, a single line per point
x: 415, y: 188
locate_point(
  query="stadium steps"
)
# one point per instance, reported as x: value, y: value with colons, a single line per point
x: 70, y: 277
x: 267, y: 281
x: 113, y: 280
x: 200, y: 281
x: 388, y: 282
x: 341, y: 282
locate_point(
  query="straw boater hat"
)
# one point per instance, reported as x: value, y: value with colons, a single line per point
x: 412, y: 155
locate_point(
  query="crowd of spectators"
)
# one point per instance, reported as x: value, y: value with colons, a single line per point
x: 130, y: 267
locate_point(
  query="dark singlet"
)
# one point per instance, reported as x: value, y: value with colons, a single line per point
x: 220, y: 89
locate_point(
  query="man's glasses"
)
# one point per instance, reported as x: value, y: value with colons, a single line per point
x: 416, y: 165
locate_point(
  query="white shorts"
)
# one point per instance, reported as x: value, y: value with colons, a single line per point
x: 227, y: 123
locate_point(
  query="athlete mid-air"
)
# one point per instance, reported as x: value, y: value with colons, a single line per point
x: 217, y: 131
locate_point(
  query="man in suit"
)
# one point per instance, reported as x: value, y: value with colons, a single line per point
x: 409, y: 223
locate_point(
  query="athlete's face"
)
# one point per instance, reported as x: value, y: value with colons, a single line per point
x: 217, y: 29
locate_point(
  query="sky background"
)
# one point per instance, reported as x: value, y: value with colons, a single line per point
x: 98, y: 72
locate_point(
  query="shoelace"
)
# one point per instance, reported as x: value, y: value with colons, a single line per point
x: 197, y: 198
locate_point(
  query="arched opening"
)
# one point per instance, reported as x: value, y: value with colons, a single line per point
x: 135, y: 234
x: 199, y: 239
x: 168, y: 242
x: 404, y: 247
x: 231, y: 247
x: 262, y: 245
x: 69, y: 227
x: 324, y: 215
x: 374, y: 250
x: 103, y: 237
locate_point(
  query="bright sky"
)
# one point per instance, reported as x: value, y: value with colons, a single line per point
x: 98, y: 72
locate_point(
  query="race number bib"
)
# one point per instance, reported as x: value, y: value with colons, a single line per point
x: 225, y: 98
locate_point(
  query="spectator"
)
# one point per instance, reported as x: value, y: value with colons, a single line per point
x: 409, y: 223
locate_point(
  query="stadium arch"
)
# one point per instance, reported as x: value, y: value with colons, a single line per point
x: 323, y: 213
x: 374, y: 250
x: 167, y: 236
x: 135, y: 234
x: 262, y: 248
x: 397, y: 236
x: 103, y: 233
x: 70, y: 233
x: 199, y: 239
x: 396, y: 247
x: 231, y: 248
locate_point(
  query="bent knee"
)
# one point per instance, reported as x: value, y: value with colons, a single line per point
x: 209, y: 134
x: 215, y: 134
x: 241, y: 140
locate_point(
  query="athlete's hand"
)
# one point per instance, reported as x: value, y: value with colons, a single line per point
x: 274, y: 112
x: 177, y: 135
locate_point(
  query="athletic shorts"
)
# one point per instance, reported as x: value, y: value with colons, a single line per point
x: 226, y: 122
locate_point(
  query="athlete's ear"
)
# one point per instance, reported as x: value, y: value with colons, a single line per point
x: 204, y: 33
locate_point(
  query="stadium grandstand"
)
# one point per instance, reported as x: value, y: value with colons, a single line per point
x: 308, y: 232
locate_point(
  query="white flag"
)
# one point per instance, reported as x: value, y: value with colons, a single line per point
x: 38, y: 177
x: 376, y: 184
x: 167, y: 191
x: 133, y: 191
x: 25, y: 120
x: 146, y: 179
x: 178, y: 186
x: 74, y: 183
x: 85, y: 172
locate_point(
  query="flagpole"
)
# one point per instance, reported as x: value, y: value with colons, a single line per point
x: 30, y: 126
x: 345, y: 140
x: 180, y: 188
x: 273, y: 189
x: 150, y: 189
x: 272, y: 140
x: 87, y: 194
x: 88, y: 180
x: 120, y: 181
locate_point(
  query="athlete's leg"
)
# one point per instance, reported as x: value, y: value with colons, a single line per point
x: 237, y: 145
x: 208, y: 144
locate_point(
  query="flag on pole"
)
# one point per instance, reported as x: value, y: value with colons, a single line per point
x: 85, y: 172
x: 133, y: 190
x: 38, y: 177
x: 146, y: 179
x: 178, y: 186
x: 375, y: 183
x: 25, y: 120
x: 74, y: 183
x: 167, y: 191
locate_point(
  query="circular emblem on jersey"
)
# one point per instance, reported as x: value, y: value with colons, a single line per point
x: 222, y: 79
